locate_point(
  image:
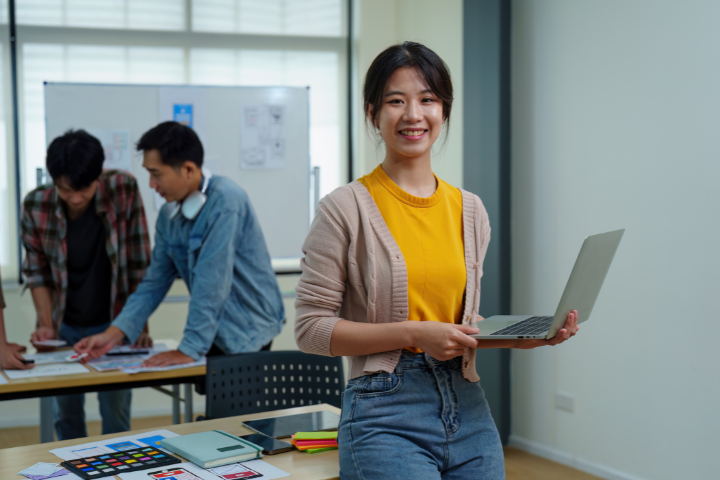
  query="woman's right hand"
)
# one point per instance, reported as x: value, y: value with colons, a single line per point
x: 442, y: 341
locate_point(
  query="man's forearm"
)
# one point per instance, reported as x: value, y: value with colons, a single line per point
x: 42, y: 298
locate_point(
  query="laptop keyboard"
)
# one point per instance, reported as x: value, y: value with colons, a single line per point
x: 529, y: 326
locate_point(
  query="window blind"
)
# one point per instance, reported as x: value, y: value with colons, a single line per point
x: 321, y: 18
x: 120, y: 14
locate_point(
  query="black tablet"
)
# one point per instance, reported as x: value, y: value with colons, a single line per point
x: 285, y: 426
x: 269, y: 445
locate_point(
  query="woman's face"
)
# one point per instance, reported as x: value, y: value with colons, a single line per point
x: 411, y: 116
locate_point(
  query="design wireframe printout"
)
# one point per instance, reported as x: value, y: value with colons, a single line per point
x: 116, y: 144
x: 262, y: 137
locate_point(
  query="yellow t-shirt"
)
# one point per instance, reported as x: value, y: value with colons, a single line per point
x: 429, y: 232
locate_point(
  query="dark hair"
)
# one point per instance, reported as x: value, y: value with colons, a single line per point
x: 77, y: 156
x: 408, y: 54
x: 175, y: 142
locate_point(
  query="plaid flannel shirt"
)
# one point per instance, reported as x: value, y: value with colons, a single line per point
x: 43, y: 230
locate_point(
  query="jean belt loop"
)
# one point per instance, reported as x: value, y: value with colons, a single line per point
x: 430, y: 361
x: 398, y: 367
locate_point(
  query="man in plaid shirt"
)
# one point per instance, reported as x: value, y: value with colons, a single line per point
x: 87, y: 249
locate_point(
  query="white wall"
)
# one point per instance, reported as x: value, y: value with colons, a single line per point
x: 437, y: 25
x: 616, y: 124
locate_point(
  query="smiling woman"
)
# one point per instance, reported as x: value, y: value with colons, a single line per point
x: 391, y: 279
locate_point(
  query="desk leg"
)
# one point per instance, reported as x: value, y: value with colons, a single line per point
x: 176, y: 404
x: 188, y: 402
x: 46, y: 420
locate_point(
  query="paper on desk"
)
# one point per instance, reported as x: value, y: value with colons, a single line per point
x: 41, y: 468
x: 60, y: 473
x: 47, y: 371
x: 46, y: 358
x: 199, y: 363
x: 3, y: 380
x: 268, y: 471
x: 110, y: 363
x: 113, y: 445
x: 51, y: 343
x: 189, y: 467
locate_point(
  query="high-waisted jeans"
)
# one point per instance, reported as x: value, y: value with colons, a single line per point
x: 423, y: 421
x: 69, y: 410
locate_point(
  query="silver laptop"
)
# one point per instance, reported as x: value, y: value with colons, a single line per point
x: 580, y: 294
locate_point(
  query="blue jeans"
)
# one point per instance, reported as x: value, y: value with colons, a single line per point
x: 423, y: 421
x: 69, y: 410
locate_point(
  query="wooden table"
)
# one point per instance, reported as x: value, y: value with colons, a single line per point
x: 93, y: 381
x: 302, y: 466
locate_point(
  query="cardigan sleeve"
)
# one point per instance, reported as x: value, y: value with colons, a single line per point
x: 321, y: 286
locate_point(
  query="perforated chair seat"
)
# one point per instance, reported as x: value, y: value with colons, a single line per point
x: 262, y: 381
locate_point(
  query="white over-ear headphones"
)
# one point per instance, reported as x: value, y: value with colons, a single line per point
x: 193, y: 203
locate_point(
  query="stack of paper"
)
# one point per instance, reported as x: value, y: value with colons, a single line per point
x: 48, y: 358
x: 314, y: 442
x: 41, y: 471
x: 125, y: 358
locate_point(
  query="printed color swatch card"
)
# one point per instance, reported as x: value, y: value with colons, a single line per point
x: 118, y: 462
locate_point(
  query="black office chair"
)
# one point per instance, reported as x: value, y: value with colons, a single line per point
x: 263, y: 381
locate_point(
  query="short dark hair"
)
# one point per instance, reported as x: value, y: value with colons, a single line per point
x: 77, y: 156
x: 175, y: 142
x: 407, y: 54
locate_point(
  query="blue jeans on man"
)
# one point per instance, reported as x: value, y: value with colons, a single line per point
x: 69, y: 410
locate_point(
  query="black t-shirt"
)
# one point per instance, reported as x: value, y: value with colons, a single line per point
x: 89, y: 271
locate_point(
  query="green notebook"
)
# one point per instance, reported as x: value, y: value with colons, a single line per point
x: 213, y: 448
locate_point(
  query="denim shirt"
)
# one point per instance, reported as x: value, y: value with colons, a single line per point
x: 235, y: 301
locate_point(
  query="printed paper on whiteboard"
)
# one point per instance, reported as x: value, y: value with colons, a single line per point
x: 262, y: 137
x: 116, y: 144
x: 185, y: 105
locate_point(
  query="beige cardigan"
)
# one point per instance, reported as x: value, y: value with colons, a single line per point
x: 354, y: 270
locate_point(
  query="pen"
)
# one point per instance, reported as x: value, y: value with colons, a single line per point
x: 26, y: 361
x: 137, y: 352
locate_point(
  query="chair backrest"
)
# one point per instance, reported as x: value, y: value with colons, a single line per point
x: 262, y: 381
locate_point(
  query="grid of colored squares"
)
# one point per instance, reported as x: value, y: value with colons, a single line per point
x: 119, y: 462
x: 314, y: 442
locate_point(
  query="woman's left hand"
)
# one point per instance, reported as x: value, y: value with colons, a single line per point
x: 569, y: 330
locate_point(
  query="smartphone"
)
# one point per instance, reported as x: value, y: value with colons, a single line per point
x: 269, y: 445
x: 234, y: 471
x: 174, y: 474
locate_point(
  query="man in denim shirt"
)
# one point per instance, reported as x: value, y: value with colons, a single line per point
x: 209, y: 235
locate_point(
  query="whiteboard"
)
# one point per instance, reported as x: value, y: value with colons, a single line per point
x: 280, y: 195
